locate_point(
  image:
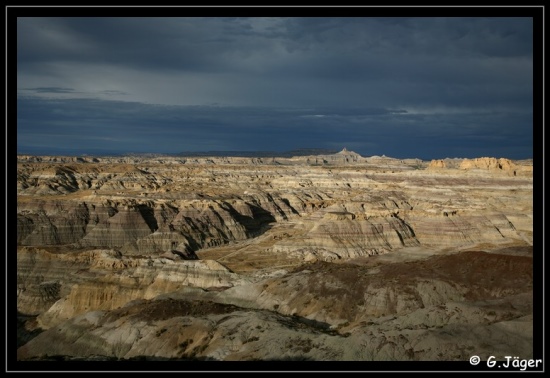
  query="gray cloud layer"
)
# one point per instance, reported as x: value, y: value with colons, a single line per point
x: 404, y: 87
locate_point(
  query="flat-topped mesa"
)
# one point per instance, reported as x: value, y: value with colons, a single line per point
x: 487, y: 163
x: 494, y: 165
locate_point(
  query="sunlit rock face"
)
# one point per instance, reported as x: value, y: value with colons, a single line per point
x: 327, y: 257
x: 63, y: 285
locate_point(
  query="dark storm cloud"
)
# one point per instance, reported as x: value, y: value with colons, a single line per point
x: 50, y: 90
x: 179, y: 44
x: 381, y: 85
x: 136, y: 127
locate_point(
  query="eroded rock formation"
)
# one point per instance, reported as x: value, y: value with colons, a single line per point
x: 329, y: 257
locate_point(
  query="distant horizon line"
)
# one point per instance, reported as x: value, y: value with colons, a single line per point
x: 244, y: 153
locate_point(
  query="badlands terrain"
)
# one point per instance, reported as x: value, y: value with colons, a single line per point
x: 319, y: 258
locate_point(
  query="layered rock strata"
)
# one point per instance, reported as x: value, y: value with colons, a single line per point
x: 321, y: 311
x: 329, y: 257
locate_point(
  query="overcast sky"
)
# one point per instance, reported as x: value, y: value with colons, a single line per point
x: 401, y: 87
